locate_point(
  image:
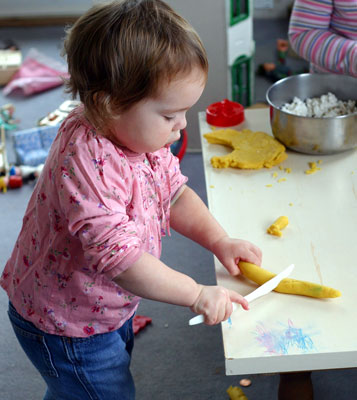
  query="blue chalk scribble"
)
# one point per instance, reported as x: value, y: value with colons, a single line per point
x: 289, y: 339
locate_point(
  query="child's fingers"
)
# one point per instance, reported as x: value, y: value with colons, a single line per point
x: 233, y: 268
x: 235, y: 298
x: 229, y: 310
x: 215, y: 303
x: 214, y: 318
x: 258, y: 253
x: 252, y: 255
x: 221, y: 307
x: 238, y: 298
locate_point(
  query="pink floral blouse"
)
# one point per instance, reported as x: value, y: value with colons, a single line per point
x: 95, y: 209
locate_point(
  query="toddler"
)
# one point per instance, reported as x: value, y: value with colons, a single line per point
x: 90, y: 244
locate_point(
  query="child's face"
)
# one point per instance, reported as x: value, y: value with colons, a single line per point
x: 155, y: 122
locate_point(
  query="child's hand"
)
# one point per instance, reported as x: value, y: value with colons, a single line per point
x: 231, y: 251
x: 215, y: 303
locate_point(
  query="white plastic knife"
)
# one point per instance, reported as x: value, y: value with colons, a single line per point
x: 266, y: 288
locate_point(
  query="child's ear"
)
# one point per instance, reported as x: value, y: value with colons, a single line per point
x: 99, y: 98
x: 104, y: 105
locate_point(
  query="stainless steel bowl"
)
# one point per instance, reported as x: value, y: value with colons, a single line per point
x: 307, y: 134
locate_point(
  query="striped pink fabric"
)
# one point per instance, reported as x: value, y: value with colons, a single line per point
x: 324, y: 32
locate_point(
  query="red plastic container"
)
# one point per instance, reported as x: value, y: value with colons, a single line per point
x: 225, y: 113
x: 15, y: 181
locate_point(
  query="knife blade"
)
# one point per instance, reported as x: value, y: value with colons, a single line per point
x: 266, y: 288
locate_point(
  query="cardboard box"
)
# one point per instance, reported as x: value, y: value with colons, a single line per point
x: 10, y: 61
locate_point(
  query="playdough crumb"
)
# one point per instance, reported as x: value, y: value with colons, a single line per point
x: 276, y: 228
x: 291, y: 204
x: 313, y: 168
x: 236, y: 393
x: 310, y: 171
x: 269, y: 185
x: 275, y: 174
x: 211, y: 186
x: 281, y: 180
x: 288, y: 170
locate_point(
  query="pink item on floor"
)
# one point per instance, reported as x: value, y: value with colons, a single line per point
x: 139, y: 322
x: 37, y: 73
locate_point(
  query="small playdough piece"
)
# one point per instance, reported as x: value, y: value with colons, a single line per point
x: 276, y: 228
x: 290, y: 286
x: 251, y: 150
x: 236, y: 393
x: 313, y: 168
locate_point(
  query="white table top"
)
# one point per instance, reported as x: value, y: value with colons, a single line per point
x: 284, y: 332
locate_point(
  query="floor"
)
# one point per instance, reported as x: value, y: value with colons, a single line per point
x: 171, y: 360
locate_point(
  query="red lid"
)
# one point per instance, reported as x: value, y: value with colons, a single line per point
x: 15, y: 181
x: 225, y: 113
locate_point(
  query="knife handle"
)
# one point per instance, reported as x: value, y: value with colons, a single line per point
x: 198, y: 319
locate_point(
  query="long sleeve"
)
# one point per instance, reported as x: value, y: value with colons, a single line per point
x: 325, y: 33
x: 95, y: 210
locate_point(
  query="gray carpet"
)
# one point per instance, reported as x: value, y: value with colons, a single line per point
x: 171, y: 360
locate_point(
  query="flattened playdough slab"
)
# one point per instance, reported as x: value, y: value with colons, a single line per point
x: 251, y: 150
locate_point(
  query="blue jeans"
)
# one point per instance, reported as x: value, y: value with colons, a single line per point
x: 92, y: 368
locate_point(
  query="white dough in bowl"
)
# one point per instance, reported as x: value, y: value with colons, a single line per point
x: 320, y: 107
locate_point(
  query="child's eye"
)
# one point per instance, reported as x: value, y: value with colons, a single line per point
x: 168, y: 118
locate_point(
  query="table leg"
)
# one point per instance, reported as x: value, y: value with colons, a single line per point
x: 295, y: 386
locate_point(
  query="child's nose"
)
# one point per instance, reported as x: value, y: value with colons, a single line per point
x: 181, y: 123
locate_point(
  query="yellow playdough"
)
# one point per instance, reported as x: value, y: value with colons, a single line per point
x: 276, y: 228
x: 236, y: 393
x: 251, y: 150
x: 313, y: 168
x: 291, y: 286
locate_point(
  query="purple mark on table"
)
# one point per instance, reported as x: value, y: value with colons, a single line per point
x: 287, y: 339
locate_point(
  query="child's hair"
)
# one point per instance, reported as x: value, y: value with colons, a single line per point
x: 119, y: 53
